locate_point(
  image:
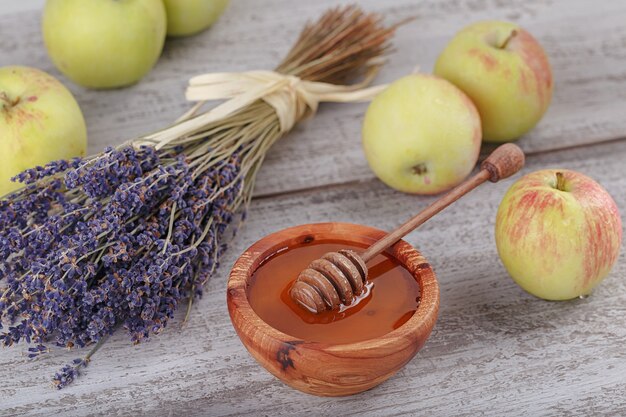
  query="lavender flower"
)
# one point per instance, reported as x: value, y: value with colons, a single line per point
x: 120, y: 239
x: 68, y: 373
x: 115, y: 240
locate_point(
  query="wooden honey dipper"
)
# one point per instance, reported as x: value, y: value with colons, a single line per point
x: 339, y: 277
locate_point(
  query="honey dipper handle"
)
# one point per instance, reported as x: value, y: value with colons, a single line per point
x: 503, y: 162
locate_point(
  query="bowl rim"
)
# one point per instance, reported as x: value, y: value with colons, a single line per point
x: 237, y: 298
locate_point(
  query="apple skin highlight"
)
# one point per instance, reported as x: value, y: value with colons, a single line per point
x: 41, y: 123
x: 506, y: 73
x: 104, y: 43
x: 421, y: 135
x: 188, y: 17
x: 558, y: 244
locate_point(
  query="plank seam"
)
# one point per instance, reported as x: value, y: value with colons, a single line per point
x: 530, y: 154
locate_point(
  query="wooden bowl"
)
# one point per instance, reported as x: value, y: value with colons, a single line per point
x: 321, y: 368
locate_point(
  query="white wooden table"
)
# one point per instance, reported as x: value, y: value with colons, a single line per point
x: 495, y: 350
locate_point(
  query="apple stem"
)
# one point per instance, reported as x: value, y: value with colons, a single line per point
x: 420, y: 169
x: 560, y: 181
x: 508, y: 39
x: 5, y: 98
x: 8, y: 103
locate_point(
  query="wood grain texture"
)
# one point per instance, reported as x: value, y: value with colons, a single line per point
x: 9, y: 7
x: 505, y: 161
x: 586, y: 46
x: 328, y: 369
x: 495, y: 350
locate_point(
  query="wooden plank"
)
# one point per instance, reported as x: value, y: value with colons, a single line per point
x: 495, y: 350
x: 20, y: 6
x: 586, y: 46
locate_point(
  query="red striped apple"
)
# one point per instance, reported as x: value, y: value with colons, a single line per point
x: 421, y: 135
x: 40, y: 122
x: 505, y: 72
x: 558, y: 233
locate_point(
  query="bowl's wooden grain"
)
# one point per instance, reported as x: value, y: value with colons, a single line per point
x: 321, y: 368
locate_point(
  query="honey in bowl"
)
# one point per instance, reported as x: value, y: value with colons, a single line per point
x: 392, y: 299
x: 330, y: 368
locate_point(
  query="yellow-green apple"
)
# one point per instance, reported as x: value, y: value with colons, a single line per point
x: 505, y: 72
x: 188, y: 17
x: 558, y: 233
x: 104, y: 43
x: 39, y: 122
x: 421, y: 135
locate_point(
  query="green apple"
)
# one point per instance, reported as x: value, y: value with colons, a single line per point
x: 104, y: 43
x: 558, y: 233
x: 39, y: 122
x: 421, y: 135
x: 188, y: 17
x: 505, y: 72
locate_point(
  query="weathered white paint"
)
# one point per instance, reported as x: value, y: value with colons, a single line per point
x: 8, y: 7
x: 586, y: 45
x: 495, y: 350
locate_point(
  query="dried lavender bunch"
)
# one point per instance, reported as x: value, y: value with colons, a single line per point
x: 121, y: 238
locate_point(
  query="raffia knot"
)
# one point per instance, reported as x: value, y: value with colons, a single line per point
x: 291, y: 97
